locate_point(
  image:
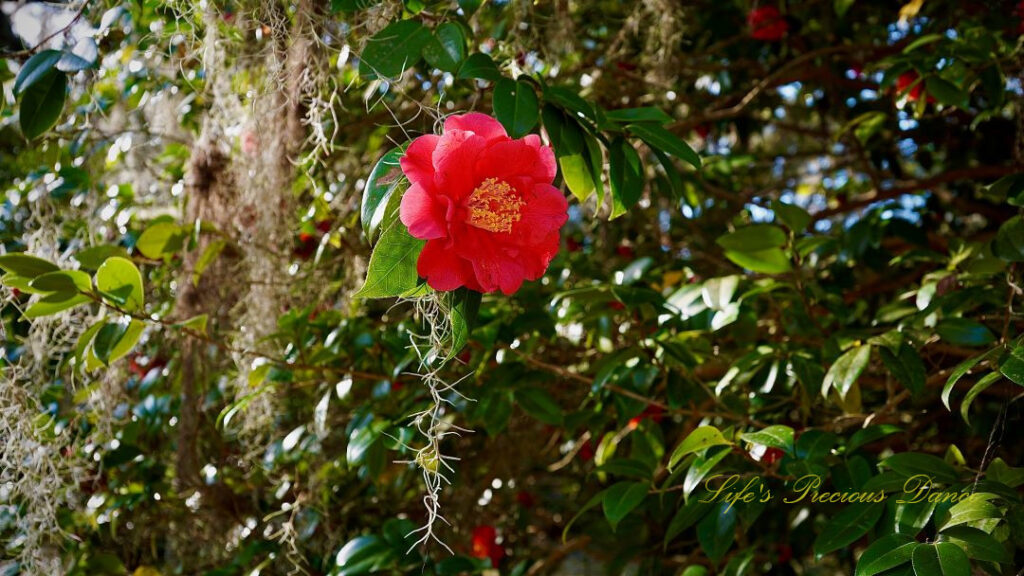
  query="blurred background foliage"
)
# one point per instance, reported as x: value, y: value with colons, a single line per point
x: 831, y: 288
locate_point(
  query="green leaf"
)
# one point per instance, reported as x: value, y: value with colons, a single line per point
x: 1009, y: 241
x: 362, y: 555
x: 978, y: 544
x: 161, y: 239
x: 847, y: 526
x: 594, y: 501
x: 384, y: 180
x: 195, y: 323
x: 631, y: 115
x: 119, y: 280
x: 1012, y: 364
x: 964, y: 332
x: 446, y: 48
x: 392, y: 269
x: 870, y: 434
x: 940, y: 559
x: 26, y: 266
x: 93, y: 258
x: 36, y: 69
x: 626, y: 172
x: 479, y: 66
x: 701, y: 467
x: 70, y: 281
x: 906, y: 367
x: 770, y: 261
x: 777, y: 436
x: 961, y: 370
x: 54, y: 303
x: 539, y: 404
x: 753, y: 238
x: 946, y: 92
x: 913, y: 463
x: 622, y: 498
x: 885, y: 553
x: 694, y: 509
x: 107, y: 339
x: 911, y: 517
x: 661, y: 139
x: 464, y: 308
x: 394, y: 49
x: 980, y: 386
x: 126, y: 342
x: 516, y: 106
x: 793, y: 216
x: 845, y: 371
x: 578, y: 175
x: 701, y: 438
x: 695, y: 571
x: 971, y: 509
x: 717, y: 530
x: 42, y: 104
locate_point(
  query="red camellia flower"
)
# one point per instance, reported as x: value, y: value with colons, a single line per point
x: 485, y: 544
x: 484, y: 203
x: 766, y: 23
x: 904, y: 81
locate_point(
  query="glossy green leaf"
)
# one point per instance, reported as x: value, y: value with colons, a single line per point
x: 516, y: 106
x: 626, y: 173
x: 70, y: 281
x: 847, y: 526
x: 622, y: 498
x: 392, y: 269
x: 161, y: 239
x: 845, y: 371
x: 446, y: 48
x: 940, y: 559
x: 974, y: 508
x: 701, y: 438
x: 717, y: 531
x: 36, y: 69
x: 913, y: 463
x: 769, y: 261
x: 906, y: 366
x: 646, y: 114
x: 26, y: 265
x: 885, y: 553
x: 961, y: 370
x: 384, y: 181
x: 479, y: 66
x: 978, y: 544
x: 119, y: 280
x: 661, y: 139
x: 42, y: 103
x: 394, y: 49
x: 946, y: 92
x: 777, y: 436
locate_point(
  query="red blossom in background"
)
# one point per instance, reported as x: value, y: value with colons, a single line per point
x: 485, y: 205
x: 485, y: 544
x: 767, y: 24
x: 904, y: 81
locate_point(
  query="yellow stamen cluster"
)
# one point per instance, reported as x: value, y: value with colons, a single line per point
x: 494, y: 206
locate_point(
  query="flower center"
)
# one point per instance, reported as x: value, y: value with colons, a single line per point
x: 494, y: 206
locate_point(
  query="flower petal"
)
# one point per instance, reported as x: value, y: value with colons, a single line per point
x: 517, y: 159
x: 417, y: 162
x: 421, y: 214
x: 480, y: 124
x: 443, y: 269
x: 454, y: 158
x: 546, y: 210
